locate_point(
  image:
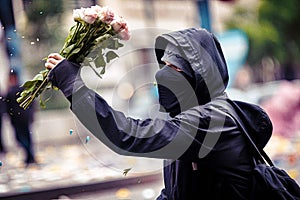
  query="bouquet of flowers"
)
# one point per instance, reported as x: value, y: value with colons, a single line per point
x: 92, y: 41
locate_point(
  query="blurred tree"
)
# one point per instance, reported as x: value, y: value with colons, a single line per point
x: 273, y: 32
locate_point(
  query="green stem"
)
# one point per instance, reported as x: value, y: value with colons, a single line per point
x: 80, y: 41
x: 41, y: 87
x: 98, y: 74
x: 36, y: 92
x: 24, y: 102
x: 74, y: 35
x: 92, y: 36
x: 78, y: 27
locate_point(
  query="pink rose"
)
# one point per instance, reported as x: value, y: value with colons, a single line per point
x: 96, y: 8
x: 106, y: 15
x: 78, y: 14
x: 124, y: 34
x: 89, y: 15
x: 118, y: 24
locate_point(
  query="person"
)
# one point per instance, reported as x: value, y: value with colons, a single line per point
x: 2, y: 111
x: 205, y: 154
x: 20, y: 119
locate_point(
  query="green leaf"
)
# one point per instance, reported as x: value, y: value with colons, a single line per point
x: 29, y: 84
x: 76, y: 50
x: 110, y: 56
x: 113, y: 43
x: 38, y: 77
x: 42, y: 104
x: 67, y: 50
x: 110, y: 43
x: 100, y: 62
x: 95, y: 52
x: 103, y: 39
x: 86, y: 61
x: 118, y: 44
x: 103, y: 70
x: 125, y: 171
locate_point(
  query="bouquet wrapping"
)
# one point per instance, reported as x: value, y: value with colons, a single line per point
x: 92, y: 41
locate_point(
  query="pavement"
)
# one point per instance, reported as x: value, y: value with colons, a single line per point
x: 68, y: 164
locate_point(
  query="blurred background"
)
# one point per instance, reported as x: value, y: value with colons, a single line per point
x: 260, y: 41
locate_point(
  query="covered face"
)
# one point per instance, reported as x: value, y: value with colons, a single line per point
x: 202, y: 72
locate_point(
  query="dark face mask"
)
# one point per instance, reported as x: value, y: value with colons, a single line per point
x: 175, y: 91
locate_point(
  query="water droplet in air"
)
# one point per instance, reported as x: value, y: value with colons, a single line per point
x: 87, y: 139
x: 41, y: 12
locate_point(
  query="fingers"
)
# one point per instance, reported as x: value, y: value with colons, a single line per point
x: 50, y: 64
x: 53, y: 59
x: 56, y: 56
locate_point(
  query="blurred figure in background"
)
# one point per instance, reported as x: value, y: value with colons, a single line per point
x: 21, y: 119
x: 2, y: 110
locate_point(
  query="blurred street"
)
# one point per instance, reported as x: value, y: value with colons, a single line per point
x: 66, y: 160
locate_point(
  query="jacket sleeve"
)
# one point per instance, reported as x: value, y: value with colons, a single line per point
x: 154, y: 138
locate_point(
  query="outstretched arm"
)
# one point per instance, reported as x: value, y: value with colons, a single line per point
x: 155, y: 138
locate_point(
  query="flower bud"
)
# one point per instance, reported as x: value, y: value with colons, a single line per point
x: 77, y: 15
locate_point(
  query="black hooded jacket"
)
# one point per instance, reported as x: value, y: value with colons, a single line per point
x: 205, y: 154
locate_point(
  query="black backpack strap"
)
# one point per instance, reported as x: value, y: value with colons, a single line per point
x: 260, y: 155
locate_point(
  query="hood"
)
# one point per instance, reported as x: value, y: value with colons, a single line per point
x: 203, y: 52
